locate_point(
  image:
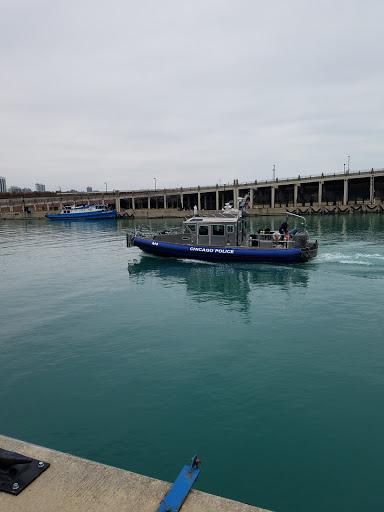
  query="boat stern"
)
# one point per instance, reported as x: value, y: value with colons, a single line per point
x: 309, y: 252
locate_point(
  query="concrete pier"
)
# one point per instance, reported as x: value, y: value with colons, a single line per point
x: 74, y: 484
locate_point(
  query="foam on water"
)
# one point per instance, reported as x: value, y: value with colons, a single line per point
x: 338, y: 257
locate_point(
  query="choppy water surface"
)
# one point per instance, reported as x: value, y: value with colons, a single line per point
x: 273, y: 375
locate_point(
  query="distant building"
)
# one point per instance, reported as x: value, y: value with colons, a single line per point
x: 26, y: 190
x: 3, y: 184
x: 89, y: 189
x: 14, y: 190
x: 39, y: 187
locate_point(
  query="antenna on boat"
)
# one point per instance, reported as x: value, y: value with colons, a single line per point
x: 243, y: 201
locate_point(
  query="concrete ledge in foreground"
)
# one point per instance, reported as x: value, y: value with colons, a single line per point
x: 75, y: 484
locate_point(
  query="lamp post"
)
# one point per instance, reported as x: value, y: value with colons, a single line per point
x: 344, y: 168
x: 273, y: 173
x: 155, y: 183
x: 348, y: 163
x: 106, y: 187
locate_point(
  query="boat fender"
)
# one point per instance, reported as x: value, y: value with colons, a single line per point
x: 275, y: 238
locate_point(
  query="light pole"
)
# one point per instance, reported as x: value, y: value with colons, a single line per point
x: 106, y: 187
x: 273, y: 174
x: 348, y: 163
x: 155, y: 183
x: 344, y: 168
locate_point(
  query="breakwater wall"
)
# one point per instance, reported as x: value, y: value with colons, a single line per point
x: 361, y: 191
x: 258, y: 211
x: 74, y: 484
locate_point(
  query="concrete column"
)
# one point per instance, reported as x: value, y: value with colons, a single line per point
x: 117, y: 203
x: 272, y: 197
x: 320, y: 193
x: 295, y: 190
x: 165, y: 201
x: 133, y: 202
x: 149, y: 202
x: 199, y: 201
x: 254, y: 190
x: 372, y: 190
x: 345, y: 199
x: 217, y: 200
x: 235, y: 196
x: 251, y: 196
x: 182, y: 200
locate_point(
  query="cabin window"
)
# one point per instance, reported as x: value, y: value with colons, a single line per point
x: 218, y: 229
x: 203, y: 230
x: 191, y: 227
x: 229, y: 229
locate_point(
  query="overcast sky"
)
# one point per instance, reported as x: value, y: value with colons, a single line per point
x: 188, y: 92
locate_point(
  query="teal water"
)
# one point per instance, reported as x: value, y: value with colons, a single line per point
x: 273, y: 375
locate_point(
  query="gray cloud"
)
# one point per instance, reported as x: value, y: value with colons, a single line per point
x: 187, y: 92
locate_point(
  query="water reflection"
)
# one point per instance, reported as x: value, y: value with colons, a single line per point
x: 223, y: 283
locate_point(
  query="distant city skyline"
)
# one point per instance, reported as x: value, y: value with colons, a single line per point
x: 39, y: 187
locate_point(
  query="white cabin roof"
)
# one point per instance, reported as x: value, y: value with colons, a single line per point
x: 228, y: 216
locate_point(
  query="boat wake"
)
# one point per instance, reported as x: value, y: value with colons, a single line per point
x: 358, y: 258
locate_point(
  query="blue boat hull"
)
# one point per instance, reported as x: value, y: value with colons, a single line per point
x: 111, y: 214
x: 230, y: 254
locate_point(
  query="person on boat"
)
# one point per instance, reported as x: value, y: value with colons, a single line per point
x: 283, y: 230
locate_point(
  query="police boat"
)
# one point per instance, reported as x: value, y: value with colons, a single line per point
x: 223, y: 237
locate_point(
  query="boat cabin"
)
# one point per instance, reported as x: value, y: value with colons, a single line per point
x: 218, y: 230
x: 83, y: 208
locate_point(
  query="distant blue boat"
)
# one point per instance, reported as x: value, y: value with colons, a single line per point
x: 89, y: 212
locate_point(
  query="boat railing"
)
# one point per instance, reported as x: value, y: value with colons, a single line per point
x: 304, y: 222
x: 143, y: 230
x: 270, y: 239
x: 146, y: 231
